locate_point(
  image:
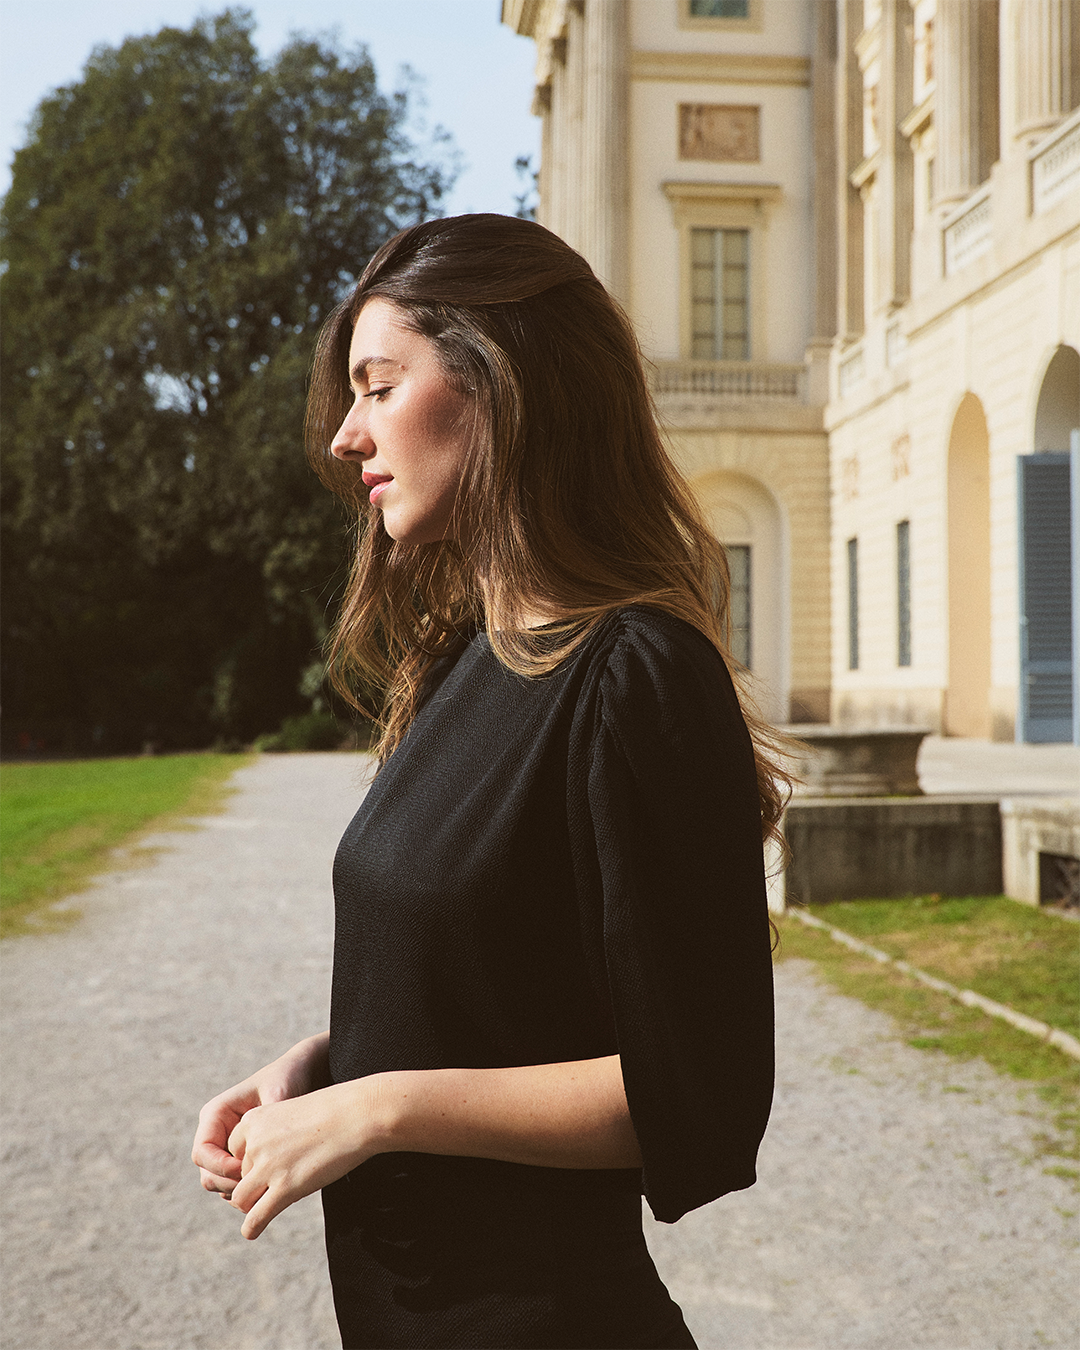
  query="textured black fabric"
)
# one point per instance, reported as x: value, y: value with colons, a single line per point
x: 550, y: 870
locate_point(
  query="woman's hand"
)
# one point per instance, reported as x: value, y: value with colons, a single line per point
x: 299, y: 1071
x: 288, y: 1149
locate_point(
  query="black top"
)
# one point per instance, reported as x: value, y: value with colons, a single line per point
x: 568, y: 867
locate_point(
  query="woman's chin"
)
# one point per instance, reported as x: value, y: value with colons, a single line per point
x: 413, y: 532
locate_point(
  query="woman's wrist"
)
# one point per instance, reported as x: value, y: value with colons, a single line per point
x: 310, y: 1060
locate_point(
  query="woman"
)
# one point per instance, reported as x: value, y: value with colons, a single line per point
x: 552, y: 972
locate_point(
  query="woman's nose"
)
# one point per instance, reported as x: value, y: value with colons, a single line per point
x: 352, y: 440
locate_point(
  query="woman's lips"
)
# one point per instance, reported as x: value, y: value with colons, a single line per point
x: 377, y: 483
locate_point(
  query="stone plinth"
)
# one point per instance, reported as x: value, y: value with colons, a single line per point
x: 858, y: 849
x: 859, y: 762
x: 1040, y: 839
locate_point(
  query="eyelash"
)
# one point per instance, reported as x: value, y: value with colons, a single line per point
x: 378, y: 393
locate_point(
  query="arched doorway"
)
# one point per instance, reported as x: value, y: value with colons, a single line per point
x: 1049, y: 571
x: 967, y: 698
x: 744, y: 516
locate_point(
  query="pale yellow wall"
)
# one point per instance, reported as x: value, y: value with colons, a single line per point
x: 784, y: 30
x: 785, y: 269
x: 994, y: 343
x: 792, y: 467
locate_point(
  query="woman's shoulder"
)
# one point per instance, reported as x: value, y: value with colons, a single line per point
x: 646, y: 658
x: 658, y: 638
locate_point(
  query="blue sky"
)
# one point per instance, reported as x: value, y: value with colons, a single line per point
x: 476, y: 73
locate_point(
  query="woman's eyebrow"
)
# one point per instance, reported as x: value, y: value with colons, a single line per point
x: 361, y: 368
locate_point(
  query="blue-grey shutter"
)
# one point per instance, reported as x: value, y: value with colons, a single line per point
x: 1046, y: 598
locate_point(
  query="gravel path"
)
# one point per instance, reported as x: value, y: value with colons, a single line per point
x: 897, y: 1208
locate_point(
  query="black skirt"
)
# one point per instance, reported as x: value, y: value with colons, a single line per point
x: 463, y: 1252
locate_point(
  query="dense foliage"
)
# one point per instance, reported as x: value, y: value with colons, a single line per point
x: 178, y: 225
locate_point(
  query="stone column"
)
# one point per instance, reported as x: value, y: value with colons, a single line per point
x: 572, y: 118
x: 894, y: 178
x: 823, y: 112
x: 965, y: 103
x: 850, y: 318
x: 1047, y: 37
x: 605, y: 170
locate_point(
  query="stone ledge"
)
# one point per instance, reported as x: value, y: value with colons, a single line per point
x: 859, y: 848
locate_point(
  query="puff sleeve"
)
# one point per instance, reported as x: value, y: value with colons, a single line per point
x: 667, y: 843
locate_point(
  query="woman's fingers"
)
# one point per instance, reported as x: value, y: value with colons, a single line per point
x: 209, y: 1151
x: 209, y: 1157
x: 261, y: 1206
x: 213, y: 1181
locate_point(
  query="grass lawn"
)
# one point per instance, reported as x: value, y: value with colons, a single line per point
x: 1006, y: 951
x: 60, y: 820
x: 1000, y: 948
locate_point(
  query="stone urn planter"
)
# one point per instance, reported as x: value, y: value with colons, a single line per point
x: 858, y: 761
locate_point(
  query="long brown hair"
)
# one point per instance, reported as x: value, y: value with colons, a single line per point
x: 569, y: 504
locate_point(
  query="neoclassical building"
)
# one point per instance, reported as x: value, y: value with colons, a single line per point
x: 848, y: 232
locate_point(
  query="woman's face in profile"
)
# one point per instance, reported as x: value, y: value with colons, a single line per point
x: 408, y: 429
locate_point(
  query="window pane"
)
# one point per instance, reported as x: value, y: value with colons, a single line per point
x: 734, y: 283
x: 853, y: 603
x: 704, y: 319
x: 702, y: 247
x: 735, y: 246
x: 738, y: 556
x: 702, y: 283
x: 719, y: 9
x: 903, y: 593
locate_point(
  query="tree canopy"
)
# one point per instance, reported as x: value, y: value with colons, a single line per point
x: 179, y: 224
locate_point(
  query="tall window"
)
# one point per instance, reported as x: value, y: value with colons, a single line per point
x: 720, y: 293
x: 903, y: 593
x: 738, y: 556
x: 719, y: 9
x: 853, y: 603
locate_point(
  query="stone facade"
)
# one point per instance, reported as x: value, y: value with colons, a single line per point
x: 848, y: 232
x: 968, y: 327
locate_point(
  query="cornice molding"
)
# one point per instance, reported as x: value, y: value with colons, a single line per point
x: 729, y: 192
x: 719, y: 68
x: 521, y: 15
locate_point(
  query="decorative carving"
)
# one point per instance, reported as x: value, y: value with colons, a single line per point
x: 720, y: 132
x: 849, y: 479
x: 901, y: 457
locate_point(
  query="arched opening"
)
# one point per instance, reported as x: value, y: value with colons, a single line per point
x: 967, y: 699
x: 1049, y: 571
x: 1057, y: 413
x: 744, y: 516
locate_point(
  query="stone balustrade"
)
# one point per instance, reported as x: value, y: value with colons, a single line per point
x: 754, y: 380
x: 1055, y: 165
x: 968, y: 233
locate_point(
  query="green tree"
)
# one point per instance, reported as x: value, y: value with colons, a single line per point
x: 178, y: 225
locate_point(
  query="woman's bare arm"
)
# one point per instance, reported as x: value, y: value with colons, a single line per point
x: 548, y: 1115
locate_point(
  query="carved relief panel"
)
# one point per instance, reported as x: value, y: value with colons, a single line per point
x: 720, y: 132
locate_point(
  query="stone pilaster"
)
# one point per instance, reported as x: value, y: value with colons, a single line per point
x: 605, y: 198
x: 1047, y: 73
x: 895, y: 174
x: 823, y: 104
x: 849, y: 152
x: 965, y: 104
